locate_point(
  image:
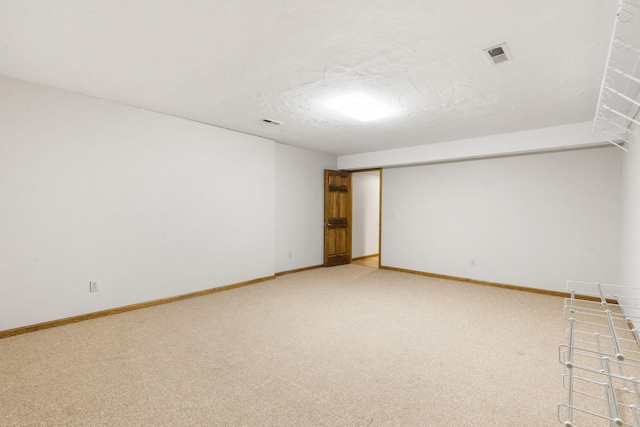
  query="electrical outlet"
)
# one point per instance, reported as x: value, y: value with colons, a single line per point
x: 290, y: 254
x: 473, y: 263
x: 93, y: 286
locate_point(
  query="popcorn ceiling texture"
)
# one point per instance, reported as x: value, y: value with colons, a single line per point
x: 340, y: 346
x: 231, y: 63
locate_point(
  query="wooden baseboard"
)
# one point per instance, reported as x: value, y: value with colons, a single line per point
x: 298, y: 270
x: 364, y: 257
x: 496, y: 285
x: 66, y: 321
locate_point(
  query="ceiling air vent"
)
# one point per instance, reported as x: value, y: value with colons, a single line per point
x: 498, y: 54
x: 271, y: 121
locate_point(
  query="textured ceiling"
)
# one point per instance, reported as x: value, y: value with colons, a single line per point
x: 231, y: 63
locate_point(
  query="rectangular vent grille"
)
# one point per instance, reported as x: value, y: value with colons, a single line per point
x: 498, y: 54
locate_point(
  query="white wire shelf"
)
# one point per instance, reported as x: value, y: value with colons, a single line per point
x: 616, y: 114
x: 601, y: 358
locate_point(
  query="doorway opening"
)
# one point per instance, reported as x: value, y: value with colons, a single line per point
x: 366, y: 202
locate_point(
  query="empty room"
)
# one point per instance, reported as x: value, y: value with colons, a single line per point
x: 365, y: 213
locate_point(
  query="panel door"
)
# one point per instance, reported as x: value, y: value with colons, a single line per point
x: 337, y: 218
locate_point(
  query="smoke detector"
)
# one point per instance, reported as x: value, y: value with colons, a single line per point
x: 498, y: 54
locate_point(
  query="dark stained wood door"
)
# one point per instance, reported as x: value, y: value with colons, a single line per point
x: 337, y: 218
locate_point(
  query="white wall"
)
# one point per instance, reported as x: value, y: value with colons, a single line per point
x: 630, y: 221
x: 153, y: 206
x: 149, y: 205
x: 300, y: 207
x: 365, y: 213
x: 535, y: 220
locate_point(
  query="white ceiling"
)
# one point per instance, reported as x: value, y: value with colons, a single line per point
x: 231, y: 63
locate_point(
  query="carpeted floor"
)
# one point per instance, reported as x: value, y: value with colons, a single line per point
x: 341, y: 346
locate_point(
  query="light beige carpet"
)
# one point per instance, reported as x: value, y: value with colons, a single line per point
x: 343, y: 346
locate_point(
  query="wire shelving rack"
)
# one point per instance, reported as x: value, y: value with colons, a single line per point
x: 616, y: 117
x: 601, y: 357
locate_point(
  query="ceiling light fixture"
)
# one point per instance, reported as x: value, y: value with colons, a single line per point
x: 358, y: 107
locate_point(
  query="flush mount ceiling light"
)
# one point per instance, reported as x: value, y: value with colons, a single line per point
x: 358, y: 107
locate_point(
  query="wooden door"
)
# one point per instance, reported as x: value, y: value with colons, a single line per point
x: 337, y: 218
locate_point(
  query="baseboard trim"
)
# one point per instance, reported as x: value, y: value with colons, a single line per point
x: 82, y: 317
x: 364, y: 257
x: 494, y: 284
x: 298, y: 270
